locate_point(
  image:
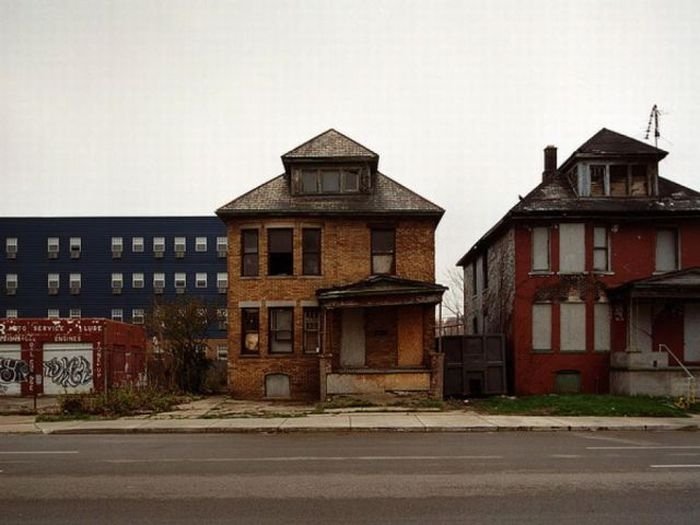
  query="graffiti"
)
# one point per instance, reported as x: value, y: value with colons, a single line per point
x: 13, y: 370
x: 68, y: 371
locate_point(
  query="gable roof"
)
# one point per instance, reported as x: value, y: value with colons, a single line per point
x: 273, y: 198
x: 330, y: 144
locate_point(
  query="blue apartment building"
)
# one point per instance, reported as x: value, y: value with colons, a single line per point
x: 111, y: 267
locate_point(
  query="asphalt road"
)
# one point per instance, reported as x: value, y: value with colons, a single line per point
x: 508, y: 477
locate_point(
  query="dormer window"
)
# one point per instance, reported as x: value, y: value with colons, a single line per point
x: 613, y: 180
x: 330, y: 180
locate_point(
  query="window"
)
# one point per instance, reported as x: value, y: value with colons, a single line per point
x: 117, y: 283
x: 615, y: 180
x: 540, y: 249
x: 222, y: 318
x: 117, y: 314
x: 572, y: 327
x: 335, y: 180
x: 75, y: 244
x: 137, y: 316
x: 137, y: 244
x: 180, y: 282
x: 221, y: 246
x: 137, y: 280
x: 250, y: 330
x: 53, y: 247
x: 312, y: 331
x: 117, y: 247
x: 200, y: 280
x: 639, y: 182
x: 599, y: 181
x: 383, y: 245
x: 53, y: 313
x: 75, y: 283
x: 74, y: 313
x: 542, y: 327
x: 280, y: 256
x: 11, y: 313
x: 180, y: 245
x: 601, y: 327
x: 158, y: 246
x: 666, y: 250
x: 11, y: 283
x: 311, y: 251
x: 281, y: 333
x: 200, y: 244
x: 572, y: 248
x: 618, y: 180
x: 158, y: 282
x: 249, y: 251
x: 222, y: 352
x: 11, y: 247
x: 222, y: 282
x: 601, y: 260
x: 54, y: 282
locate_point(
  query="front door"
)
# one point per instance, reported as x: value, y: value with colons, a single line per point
x: 352, y: 344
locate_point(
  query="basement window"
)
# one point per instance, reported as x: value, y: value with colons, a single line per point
x: 280, y: 252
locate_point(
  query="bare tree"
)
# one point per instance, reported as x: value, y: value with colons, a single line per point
x: 453, y: 299
x: 180, y: 326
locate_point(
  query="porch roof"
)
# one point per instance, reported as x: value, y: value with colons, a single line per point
x: 683, y: 284
x: 379, y: 290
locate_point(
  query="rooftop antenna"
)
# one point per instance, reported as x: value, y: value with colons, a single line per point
x: 653, y: 117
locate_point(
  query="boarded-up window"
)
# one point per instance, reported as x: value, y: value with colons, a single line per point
x: 249, y: 252
x: 573, y: 327
x: 598, y: 182
x: 383, y: 245
x: 601, y: 327
x: 542, y: 327
x: 280, y: 251
x: 618, y: 180
x: 571, y: 248
x: 567, y: 382
x: 277, y: 385
x: 281, y: 333
x: 540, y: 249
x: 311, y: 251
x: 600, y: 249
x: 639, y: 181
x: 666, y: 250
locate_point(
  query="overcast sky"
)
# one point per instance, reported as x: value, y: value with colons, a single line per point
x: 175, y: 108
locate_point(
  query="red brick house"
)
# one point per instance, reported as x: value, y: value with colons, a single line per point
x: 594, y: 276
x: 331, y: 279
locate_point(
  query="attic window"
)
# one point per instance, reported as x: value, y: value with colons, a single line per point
x: 614, y: 180
x: 330, y: 181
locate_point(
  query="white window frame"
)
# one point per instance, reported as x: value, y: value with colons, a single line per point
x: 180, y: 246
x: 75, y: 246
x: 53, y: 246
x: 222, y: 352
x: 222, y: 318
x: 158, y: 282
x: 180, y: 277
x: 137, y: 280
x: 11, y: 283
x: 53, y: 313
x: 118, y: 314
x: 117, y: 282
x: 75, y: 282
x: 137, y: 315
x: 222, y: 282
x: 222, y: 246
x: 117, y: 247
x: 200, y: 244
x: 158, y: 246
x: 11, y: 247
x: 137, y: 245
x: 11, y: 313
x: 54, y: 278
x: 75, y: 313
x: 200, y: 280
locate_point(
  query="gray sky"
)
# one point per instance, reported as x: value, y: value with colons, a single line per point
x: 175, y: 107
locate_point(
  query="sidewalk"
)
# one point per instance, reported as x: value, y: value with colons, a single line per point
x: 348, y: 422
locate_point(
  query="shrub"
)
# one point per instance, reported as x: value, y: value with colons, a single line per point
x: 123, y: 401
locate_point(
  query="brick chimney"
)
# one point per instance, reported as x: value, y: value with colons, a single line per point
x: 550, y: 162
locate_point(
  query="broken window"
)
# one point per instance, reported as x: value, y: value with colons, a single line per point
x: 618, y: 180
x: 639, y: 183
x: 351, y: 180
x: 383, y: 250
x: 312, y: 330
x: 598, y: 182
x: 666, y: 250
x: 249, y: 253
x: 281, y: 333
x: 601, y: 258
x: 311, y: 251
x: 280, y: 251
x: 250, y: 331
x: 540, y: 249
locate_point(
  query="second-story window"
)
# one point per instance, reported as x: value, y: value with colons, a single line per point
x: 52, y: 245
x: 200, y: 244
x: 572, y: 248
x: 75, y: 245
x: 311, y: 251
x: 383, y: 250
x: 137, y: 244
x: 667, y: 250
x: 137, y: 280
x: 180, y: 282
x: 280, y: 251
x: 200, y: 280
x: 11, y: 247
x: 540, y: 249
x: 601, y: 256
x: 250, y: 330
x: 249, y: 253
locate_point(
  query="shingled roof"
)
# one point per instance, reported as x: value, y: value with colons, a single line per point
x: 330, y: 144
x: 273, y: 198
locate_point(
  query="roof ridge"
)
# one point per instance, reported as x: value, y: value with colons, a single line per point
x: 330, y: 130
